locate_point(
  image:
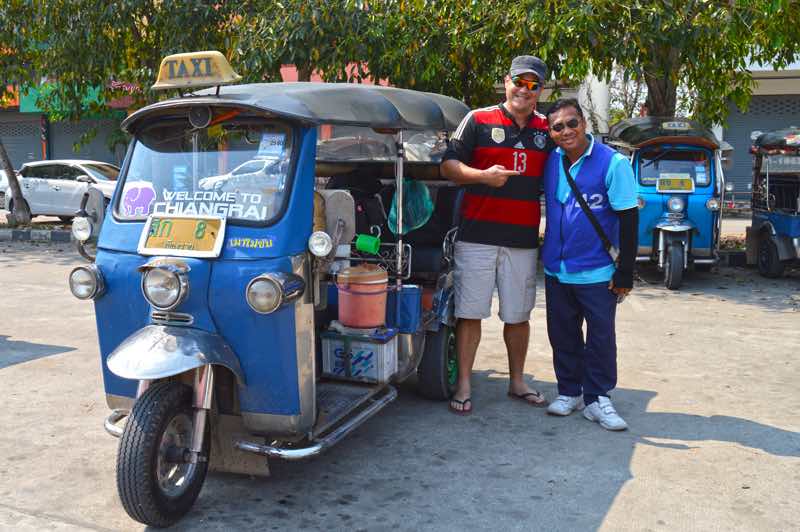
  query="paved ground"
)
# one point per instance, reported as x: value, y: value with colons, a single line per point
x: 708, y: 383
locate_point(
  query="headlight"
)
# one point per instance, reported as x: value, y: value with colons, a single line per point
x: 264, y: 294
x: 81, y: 228
x: 640, y: 202
x: 320, y: 244
x: 86, y: 282
x: 675, y: 204
x: 712, y: 204
x: 164, y: 289
x: 729, y: 187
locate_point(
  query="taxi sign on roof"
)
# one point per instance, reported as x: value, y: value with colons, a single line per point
x: 196, y: 69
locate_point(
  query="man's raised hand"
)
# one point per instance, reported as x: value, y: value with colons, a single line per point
x: 497, y: 175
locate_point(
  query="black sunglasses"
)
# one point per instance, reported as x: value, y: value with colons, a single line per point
x: 572, y: 123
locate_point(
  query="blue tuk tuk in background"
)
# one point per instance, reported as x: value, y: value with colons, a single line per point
x: 678, y: 168
x: 215, y: 270
x: 773, y: 239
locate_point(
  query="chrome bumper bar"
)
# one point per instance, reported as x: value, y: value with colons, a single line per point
x: 111, y: 421
x: 318, y: 446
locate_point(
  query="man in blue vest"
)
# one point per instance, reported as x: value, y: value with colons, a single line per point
x: 582, y: 281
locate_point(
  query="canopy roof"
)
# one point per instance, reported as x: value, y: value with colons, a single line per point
x: 648, y: 130
x: 327, y: 103
x: 781, y: 139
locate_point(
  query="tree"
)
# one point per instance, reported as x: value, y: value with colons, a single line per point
x: 461, y: 48
x: 323, y: 36
x: 704, y: 44
x: 16, y: 51
x: 84, y: 47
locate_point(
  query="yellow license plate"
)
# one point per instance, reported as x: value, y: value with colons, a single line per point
x: 675, y: 184
x: 195, y: 236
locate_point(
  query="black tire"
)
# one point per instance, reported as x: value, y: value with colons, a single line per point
x: 438, y: 370
x: 769, y: 262
x: 142, y: 450
x: 673, y: 267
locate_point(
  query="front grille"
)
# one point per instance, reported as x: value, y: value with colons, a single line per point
x: 171, y: 318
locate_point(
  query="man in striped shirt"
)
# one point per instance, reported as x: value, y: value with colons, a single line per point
x: 497, y: 154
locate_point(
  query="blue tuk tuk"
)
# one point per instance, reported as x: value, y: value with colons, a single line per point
x: 678, y: 168
x: 773, y: 239
x: 215, y: 268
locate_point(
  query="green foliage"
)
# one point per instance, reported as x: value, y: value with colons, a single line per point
x: 17, y: 48
x: 457, y: 47
x: 703, y: 44
x: 313, y: 35
x: 90, y: 43
x: 462, y: 48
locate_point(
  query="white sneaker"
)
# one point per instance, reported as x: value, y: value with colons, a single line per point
x: 603, y: 412
x: 564, y: 405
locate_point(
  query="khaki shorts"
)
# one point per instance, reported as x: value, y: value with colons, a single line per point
x: 480, y: 268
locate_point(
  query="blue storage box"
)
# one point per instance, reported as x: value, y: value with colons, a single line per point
x: 407, y: 315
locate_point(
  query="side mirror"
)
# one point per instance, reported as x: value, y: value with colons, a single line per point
x: 84, y: 179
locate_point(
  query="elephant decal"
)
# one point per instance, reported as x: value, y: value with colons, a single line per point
x: 138, y: 199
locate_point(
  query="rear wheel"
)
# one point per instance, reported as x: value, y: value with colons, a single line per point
x: 156, y: 483
x: 769, y: 262
x: 438, y: 371
x: 673, y: 268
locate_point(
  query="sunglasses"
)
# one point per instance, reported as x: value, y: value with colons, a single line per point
x: 520, y: 82
x: 572, y: 123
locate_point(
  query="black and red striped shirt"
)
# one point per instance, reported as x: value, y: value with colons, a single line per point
x: 509, y: 215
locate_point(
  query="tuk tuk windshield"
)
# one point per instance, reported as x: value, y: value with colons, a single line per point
x: 671, y: 162
x: 237, y: 170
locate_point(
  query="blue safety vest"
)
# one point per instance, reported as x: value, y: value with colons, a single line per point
x: 569, y: 235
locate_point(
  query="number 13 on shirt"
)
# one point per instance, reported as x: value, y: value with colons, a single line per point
x: 520, y: 161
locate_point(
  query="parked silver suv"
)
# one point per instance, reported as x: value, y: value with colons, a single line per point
x: 55, y: 188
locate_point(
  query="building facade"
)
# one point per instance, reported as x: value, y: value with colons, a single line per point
x: 775, y: 105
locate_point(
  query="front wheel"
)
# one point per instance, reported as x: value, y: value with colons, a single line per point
x: 673, y: 268
x: 438, y: 370
x: 769, y: 262
x: 156, y: 483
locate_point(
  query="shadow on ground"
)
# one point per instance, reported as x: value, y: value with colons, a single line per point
x: 739, y: 285
x: 418, y: 467
x: 16, y: 352
x: 45, y: 253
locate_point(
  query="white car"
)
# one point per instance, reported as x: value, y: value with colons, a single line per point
x: 55, y: 188
x: 264, y: 172
x: 3, y: 187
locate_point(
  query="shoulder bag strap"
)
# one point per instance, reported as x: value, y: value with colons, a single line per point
x: 610, y: 249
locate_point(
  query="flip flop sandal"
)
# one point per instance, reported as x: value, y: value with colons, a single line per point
x: 463, y: 411
x: 539, y: 401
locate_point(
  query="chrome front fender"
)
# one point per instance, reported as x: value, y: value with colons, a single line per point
x: 683, y: 226
x: 157, y: 351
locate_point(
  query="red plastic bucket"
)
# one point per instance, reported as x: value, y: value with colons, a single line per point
x: 362, y: 296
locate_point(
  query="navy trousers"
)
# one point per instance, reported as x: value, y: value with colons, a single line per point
x: 583, y: 366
